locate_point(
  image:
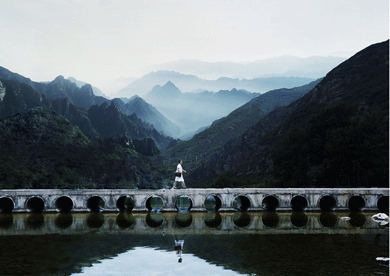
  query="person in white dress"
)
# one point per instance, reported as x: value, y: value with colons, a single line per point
x: 179, y: 176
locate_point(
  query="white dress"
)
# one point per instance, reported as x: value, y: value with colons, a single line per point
x: 179, y: 169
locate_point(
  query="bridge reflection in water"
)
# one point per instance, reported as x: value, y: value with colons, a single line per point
x: 189, y: 222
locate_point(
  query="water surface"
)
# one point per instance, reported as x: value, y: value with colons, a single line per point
x: 214, y: 244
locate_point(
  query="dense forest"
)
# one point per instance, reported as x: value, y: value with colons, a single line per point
x: 44, y: 150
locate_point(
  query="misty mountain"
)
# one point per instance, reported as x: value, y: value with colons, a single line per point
x: 284, y: 66
x: 191, y: 111
x: 189, y: 83
x: 83, y: 97
x: 103, y: 120
x: 206, y: 142
x: 149, y: 114
x: 96, y: 91
x: 59, y: 88
x: 335, y: 136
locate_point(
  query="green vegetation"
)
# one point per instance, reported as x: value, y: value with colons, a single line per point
x: 337, y: 148
x: 42, y: 150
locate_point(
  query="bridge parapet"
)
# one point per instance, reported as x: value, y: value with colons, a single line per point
x: 243, y: 199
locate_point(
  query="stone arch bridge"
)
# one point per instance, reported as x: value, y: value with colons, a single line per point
x: 241, y: 199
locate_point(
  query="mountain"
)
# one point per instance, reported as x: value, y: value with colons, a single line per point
x: 110, y: 122
x: 96, y: 91
x: 149, y: 114
x: 82, y: 97
x: 42, y: 150
x: 191, y: 111
x: 204, y: 144
x: 6, y: 74
x: 189, y: 83
x: 94, y: 122
x: 336, y: 135
x: 59, y: 88
x: 284, y: 66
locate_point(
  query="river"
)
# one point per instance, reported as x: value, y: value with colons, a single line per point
x: 258, y: 243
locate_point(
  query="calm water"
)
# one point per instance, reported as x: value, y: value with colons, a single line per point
x: 214, y: 244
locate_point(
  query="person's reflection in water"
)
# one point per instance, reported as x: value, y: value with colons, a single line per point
x: 179, y: 245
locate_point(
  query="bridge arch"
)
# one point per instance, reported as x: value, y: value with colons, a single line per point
x: 35, y: 204
x: 96, y: 204
x: 212, y: 203
x: 125, y: 203
x: 299, y: 203
x: 356, y: 203
x: 327, y: 203
x: 241, y: 203
x: 7, y: 205
x: 183, y: 203
x: 270, y: 203
x: 154, y: 203
x: 64, y: 204
x: 383, y: 203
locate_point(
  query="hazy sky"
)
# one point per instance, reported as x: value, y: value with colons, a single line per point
x: 95, y: 41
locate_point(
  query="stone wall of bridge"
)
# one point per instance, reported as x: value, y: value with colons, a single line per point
x: 244, y: 199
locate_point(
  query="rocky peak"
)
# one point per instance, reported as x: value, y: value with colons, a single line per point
x: 86, y: 89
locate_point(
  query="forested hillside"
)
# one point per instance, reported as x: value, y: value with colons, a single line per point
x: 43, y: 150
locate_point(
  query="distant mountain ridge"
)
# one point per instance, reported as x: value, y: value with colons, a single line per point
x: 191, y: 111
x: 189, y: 83
x: 285, y: 66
